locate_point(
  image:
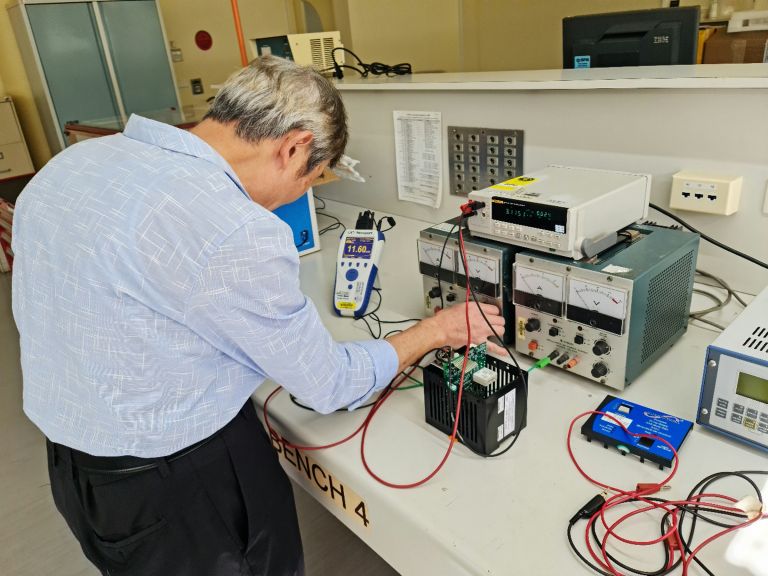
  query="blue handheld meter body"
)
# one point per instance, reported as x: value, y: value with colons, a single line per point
x: 356, y: 268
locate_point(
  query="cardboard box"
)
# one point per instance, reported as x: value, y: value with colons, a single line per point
x: 704, y: 35
x: 736, y: 48
x: 326, y: 176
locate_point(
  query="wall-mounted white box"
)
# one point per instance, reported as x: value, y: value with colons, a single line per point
x: 708, y: 193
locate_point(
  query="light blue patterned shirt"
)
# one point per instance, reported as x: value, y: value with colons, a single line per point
x: 153, y: 296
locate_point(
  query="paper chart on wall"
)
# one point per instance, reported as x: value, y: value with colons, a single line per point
x: 419, y: 157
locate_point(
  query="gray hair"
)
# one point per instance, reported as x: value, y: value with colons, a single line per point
x: 271, y: 97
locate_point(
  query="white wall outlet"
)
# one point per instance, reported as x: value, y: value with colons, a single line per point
x: 708, y: 193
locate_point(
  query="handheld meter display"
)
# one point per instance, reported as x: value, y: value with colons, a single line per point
x: 358, y: 261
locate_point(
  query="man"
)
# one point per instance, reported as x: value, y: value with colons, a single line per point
x: 154, y: 291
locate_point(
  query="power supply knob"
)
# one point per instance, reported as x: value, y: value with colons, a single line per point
x: 599, y: 370
x: 579, y: 339
x: 434, y: 292
x: 554, y: 331
x: 450, y: 297
x: 601, y: 347
x: 532, y: 325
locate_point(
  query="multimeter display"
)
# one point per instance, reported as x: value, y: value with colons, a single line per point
x: 358, y: 248
x: 530, y: 214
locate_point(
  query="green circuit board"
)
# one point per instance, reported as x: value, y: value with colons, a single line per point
x: 475, y: 361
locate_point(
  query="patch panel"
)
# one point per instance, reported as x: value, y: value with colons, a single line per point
x: 482, y: 157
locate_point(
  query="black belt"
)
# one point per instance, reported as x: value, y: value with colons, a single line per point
x: 132, y: 464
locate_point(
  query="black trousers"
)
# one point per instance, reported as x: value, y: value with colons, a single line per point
x: 224, y: 508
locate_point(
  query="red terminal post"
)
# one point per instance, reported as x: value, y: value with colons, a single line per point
x: 471, y: 208
x: 572, y: 362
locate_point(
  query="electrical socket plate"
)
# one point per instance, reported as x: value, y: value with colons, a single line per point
x: 708, y: 193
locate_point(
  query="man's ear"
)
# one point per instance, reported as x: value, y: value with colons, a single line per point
x: 295, y: 145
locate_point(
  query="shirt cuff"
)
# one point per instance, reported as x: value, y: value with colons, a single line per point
x: 385, y: 364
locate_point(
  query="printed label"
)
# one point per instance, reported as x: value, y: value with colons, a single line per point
x: 510, y: 399
x: 613, y: 269
x: 321, y: 480
x: 582, y: 62
x: 514, y: 183
x: 623, y: 419
x: 345, y: 305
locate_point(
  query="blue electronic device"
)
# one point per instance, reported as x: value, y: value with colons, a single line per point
x: 356, y: 269
x: 300, y: 216
x: 639, y: 420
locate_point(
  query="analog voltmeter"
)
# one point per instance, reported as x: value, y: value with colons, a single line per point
x: 481, y: 268
x: 597, y: 305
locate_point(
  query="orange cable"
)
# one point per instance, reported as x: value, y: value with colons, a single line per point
x: 239, y: 30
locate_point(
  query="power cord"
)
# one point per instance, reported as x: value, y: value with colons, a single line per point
x: 709, y: 239
x: 698, y: 315
x: 335, y: 226
x: 374, y: 68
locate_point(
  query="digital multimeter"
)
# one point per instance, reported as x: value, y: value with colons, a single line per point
x: 356, y: 268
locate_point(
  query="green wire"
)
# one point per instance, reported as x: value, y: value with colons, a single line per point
x: 418, y: 383
x: 410, y: 387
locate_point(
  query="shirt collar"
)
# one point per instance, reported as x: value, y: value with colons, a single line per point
x: 176, y: 140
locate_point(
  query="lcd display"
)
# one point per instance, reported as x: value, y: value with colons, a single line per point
x: 358, y: 248
x: 752, y: 387
x: 542, y: 216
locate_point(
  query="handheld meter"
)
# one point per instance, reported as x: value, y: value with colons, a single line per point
x: 356, y: 267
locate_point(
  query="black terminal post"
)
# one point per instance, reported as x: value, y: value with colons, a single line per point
x: 365, y: 221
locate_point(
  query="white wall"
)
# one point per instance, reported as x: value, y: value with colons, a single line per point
x: 660, y: 131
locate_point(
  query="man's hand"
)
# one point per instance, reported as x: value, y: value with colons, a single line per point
x: 448, y: 328
x: 451, y: 324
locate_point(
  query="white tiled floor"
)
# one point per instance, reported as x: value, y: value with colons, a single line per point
x: 35, y: 541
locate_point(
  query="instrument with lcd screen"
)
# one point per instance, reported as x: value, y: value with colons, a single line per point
x: 541, y: 216
x: 358, y: 247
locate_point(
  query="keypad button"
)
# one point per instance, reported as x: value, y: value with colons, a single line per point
x: 752, y: 413
x: 720, y: 412
x: 750, y: 423
x: 736, y: 418
x: 763, y: 417
x: 722, y: 403
x: 738, y: 409
x: 763, y: 428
